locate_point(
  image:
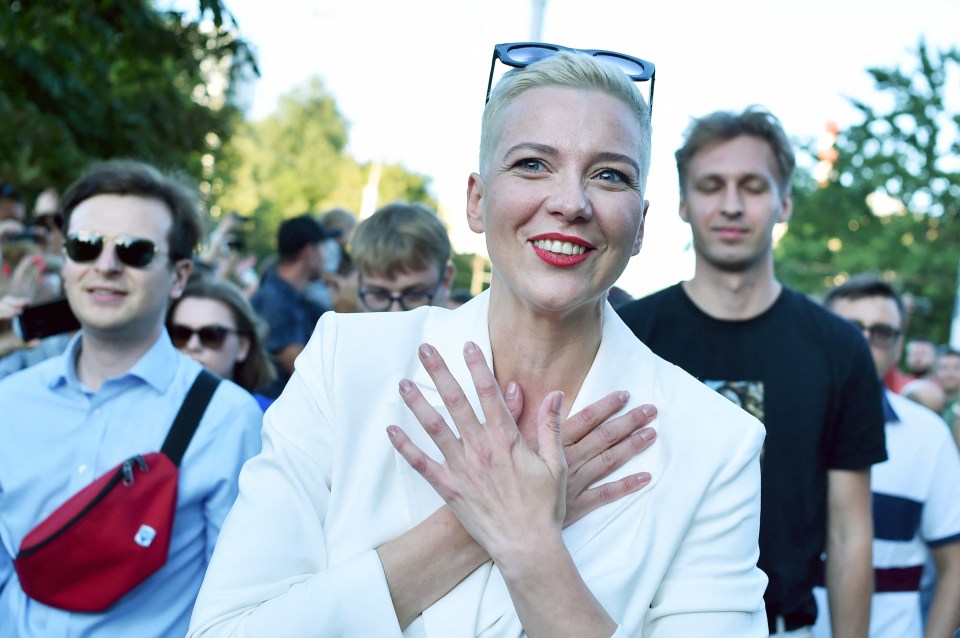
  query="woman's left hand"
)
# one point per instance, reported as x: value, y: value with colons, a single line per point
x: 504, y: 493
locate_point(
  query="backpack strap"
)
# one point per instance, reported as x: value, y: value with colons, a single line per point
x: 188, y: 418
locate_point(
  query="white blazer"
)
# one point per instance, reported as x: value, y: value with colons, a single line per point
x: 296, y: 555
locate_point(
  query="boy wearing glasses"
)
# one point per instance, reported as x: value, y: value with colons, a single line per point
x: 130, y: 234
x: 402, y: 253
x: 799, y: 369
x: 915, y: 509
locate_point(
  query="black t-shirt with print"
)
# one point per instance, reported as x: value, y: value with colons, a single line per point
x: 809, y: 377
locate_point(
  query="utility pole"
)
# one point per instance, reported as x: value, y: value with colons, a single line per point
x: 537, y: 8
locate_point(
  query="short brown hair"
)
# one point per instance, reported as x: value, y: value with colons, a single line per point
x: 723, y: 126
x: 400, y: 238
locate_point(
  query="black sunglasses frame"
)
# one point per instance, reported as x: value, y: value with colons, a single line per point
x: 396, y: 298
x: 212, y: 337
x: 879, y: 334
x: 130, y: 251
x: 502, y: 52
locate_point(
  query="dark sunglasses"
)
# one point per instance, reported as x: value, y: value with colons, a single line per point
x: 521, y: 54
x: 84, y: 246
x: 879, y: 334
x: 211, y: 337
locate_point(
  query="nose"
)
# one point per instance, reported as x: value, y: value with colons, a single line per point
x: 395, y: 305
x: 732, y: 204
x: 193, y: 343
x: 107, y: 259
x: 570, y: 200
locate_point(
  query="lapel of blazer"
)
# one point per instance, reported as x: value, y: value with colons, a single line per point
x: 482, y: 599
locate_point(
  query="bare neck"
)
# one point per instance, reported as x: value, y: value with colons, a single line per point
x: 294, y: 274
x: 542, y: 352
x: 734, y: 296
x: 102, y: 357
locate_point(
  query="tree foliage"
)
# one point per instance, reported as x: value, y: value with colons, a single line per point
x: 891, y: 202
x: 295, y: 161
x: 113, y: 78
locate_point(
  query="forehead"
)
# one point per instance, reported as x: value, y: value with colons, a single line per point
x: 426, y: 279
x: 200, y: 311
x: 742, y: 155
x: 560, y: 116
x: 869, y: 310
x: 123, y: 215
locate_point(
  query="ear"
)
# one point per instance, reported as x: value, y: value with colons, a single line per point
x: 786, y: 207
x: 638, y: 242
x: 244, y: 349
x: 474, y: 197
x: 181, y: 272
x: 684, y: 214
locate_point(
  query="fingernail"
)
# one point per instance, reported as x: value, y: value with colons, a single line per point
x: 425, y: 351
x: 392, y: 432
x: 647, y: 433
x: 557, y: 401
x: 405, y: 386
x: 623, y: 396
x: 648, y: 410
x: 511, y: 391
x: 469, y: 347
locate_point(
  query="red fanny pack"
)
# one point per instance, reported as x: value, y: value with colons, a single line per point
x: 112, y: 535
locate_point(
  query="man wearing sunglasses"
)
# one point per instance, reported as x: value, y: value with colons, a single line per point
x: 402, y: 253
x: 130, y: 235
x: 915, y: 508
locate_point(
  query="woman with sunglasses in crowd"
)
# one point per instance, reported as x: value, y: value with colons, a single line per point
x: 213, y: 323
x: 436, y: 472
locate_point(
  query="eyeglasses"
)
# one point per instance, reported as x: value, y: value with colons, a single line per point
x: 378, y: 299
x: 879, y: 334
x: 521, y: 54
x: 211, y: 337
x: 85, y: 246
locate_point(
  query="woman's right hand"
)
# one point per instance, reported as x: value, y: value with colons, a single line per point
x: 595, y: 447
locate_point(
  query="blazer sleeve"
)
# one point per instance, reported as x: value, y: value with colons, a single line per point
x: 270, y: 574
x: 713, y: 586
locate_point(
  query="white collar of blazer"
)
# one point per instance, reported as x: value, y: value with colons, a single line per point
x: 448, y: 332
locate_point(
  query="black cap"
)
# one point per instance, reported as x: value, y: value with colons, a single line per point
x: 297, y: 232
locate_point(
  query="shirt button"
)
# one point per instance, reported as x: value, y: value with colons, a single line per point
x: 83, y: 469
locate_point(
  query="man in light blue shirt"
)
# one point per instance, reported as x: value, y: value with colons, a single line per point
x: 131, y: 232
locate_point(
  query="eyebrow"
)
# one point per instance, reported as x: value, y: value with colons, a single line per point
x: 546, y: 149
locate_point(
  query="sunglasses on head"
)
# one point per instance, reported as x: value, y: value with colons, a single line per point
x: 521, y: 54
x: 211, y: 337
x: 85, y: 246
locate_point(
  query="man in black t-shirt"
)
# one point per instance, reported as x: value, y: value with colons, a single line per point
x: 798, y: 368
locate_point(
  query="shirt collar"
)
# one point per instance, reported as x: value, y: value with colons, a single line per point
x: 156, y: 367
x: 889, y: 414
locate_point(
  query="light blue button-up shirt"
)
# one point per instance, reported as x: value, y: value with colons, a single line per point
x: 57, y: 436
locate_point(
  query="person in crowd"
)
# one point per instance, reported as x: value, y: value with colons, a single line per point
x: 921, y: 358
x: 340, y: 274
x: 403, y: 256
x: 431, y: 534
x: 458, y: 297
x: 947, y: 373
x: 130, y: 233
x: 11, y: 203
x: 926, y: 392
x: 281, y: 300
x: 915, y: 509
x: 800, y: 369
x: 213, y: 323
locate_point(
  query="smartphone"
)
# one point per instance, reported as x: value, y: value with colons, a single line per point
x: 45, y: 319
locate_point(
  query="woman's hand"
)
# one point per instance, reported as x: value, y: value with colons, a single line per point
x: 504, y: 493
x: 595, y: 448
x: 10, y: 307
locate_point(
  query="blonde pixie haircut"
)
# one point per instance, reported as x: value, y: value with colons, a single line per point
x: 400, y: 238
x: 567, y: 70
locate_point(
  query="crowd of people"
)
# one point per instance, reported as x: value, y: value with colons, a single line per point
x: 385, y: 455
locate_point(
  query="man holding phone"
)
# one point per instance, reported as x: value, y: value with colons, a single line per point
x: 130, y: 234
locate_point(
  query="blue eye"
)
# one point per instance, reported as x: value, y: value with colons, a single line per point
x: 530, y: 164
x: 610, y: 175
